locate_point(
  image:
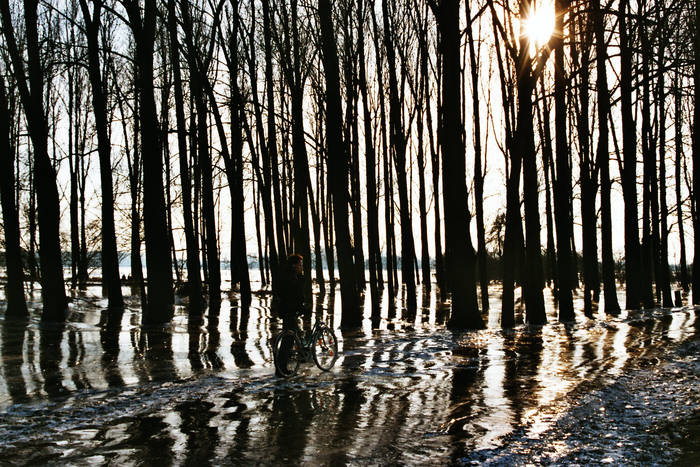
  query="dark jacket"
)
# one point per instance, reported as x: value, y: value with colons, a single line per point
x: 291, y: 295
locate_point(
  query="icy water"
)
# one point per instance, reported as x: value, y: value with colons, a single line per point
x: 407, y: 391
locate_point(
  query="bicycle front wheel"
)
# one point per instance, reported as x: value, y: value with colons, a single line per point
x: 325, y: 348
x: 287, y: 352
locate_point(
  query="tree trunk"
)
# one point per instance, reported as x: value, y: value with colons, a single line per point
x: 159, y: 308
x: 696, y: 160
x: 629, y: 168
x: 194, y: 281
x: 398, y: 145
x: 14, y: 288
x: 562, y: 208
x: 461, y: 260
x: 53, y: 292
x: 375, y: 259
x: 603, y: 159
x: 478, y: 171
x: 337, y: 173
x: 678, y: 127
x: 110, y: 260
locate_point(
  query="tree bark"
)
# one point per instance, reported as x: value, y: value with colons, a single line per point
x: 110, y: 260
x: 337, y: 173
x: 461, y: 260
x: 14, y: 288
x: 603, y: 160
x: 31, y: 85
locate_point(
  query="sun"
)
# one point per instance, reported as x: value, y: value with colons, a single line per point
x: 539, y: 25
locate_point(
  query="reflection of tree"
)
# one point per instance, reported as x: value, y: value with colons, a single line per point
x: 239, y: 334
x: 76, y: 354
x: 147, y: 437
x: 241, y: 439
x: 211, y: 355
x: 202, y: 439
x: 159, y: 355
x: 353, y: 397
x: 12, y: 359
x: 523, y: 356
x: 109, y: 338
x: 50, y: 356
x: 465, y: 399
x: 194, y: 333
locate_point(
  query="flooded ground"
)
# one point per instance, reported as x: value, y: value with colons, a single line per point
x: 605, y: 390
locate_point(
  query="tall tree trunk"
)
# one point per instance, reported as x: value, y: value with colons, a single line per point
x: 633, y: 265
x: 53, y: 292
x: 194, y: 281
x: 375, y: 259
x: 562, y: 207
x: 398, y: 145
x: 603, y: 160
x: 159, y: 308
x: 461, y: 260
x: 649, y: 171
x: 272, y: 132
x: 239, y: 255
x: 696, y: 160
x: 14, y: 288
x: 110, y: 260
x: 678, y: 127
x: 478, y: 171
x: 588, y: 170
x: 664, y: 274
x: 547, y: 158
x: 388, y: 195
x: 337, y: 165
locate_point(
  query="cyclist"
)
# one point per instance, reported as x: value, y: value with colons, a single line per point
x: 291, y: 297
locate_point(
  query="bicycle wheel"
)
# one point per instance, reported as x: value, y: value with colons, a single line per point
x: 325, y: 348
x: 287, y: 353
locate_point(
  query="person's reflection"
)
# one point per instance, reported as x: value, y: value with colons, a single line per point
x: 290, y: 418
x: 109, y: 338
x: 50, y: 356
x: 202, y: 439
x: 13, y: 332
x: 159, y: 355
x: 239, y: 335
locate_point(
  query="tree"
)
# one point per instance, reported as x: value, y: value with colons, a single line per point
x: 459, y: 254
x: 31, y: 87
x: 338, y: 168
x: 160, y: 299
x: 14, y: 289
x: 110, y: 260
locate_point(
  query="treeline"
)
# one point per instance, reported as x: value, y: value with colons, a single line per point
x: 345, y: 126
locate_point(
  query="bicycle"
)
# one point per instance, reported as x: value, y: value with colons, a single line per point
x: 291, y: 347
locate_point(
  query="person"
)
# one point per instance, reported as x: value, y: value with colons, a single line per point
x: 290, y: 297
x: 291, y: 291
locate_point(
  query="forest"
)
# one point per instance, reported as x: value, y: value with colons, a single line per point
x: 391, y: 143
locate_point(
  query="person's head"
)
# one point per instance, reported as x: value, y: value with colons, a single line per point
x: 296, y: 263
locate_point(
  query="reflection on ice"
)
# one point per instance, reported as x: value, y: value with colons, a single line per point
x: 404, y: 390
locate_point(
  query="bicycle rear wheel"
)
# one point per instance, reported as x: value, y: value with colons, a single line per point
x: 287, y: 353
x: 325, y: 348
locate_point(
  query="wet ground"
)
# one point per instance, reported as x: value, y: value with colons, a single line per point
x: 604, y: 390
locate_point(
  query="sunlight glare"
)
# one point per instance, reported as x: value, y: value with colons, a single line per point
x: 540, y: 24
